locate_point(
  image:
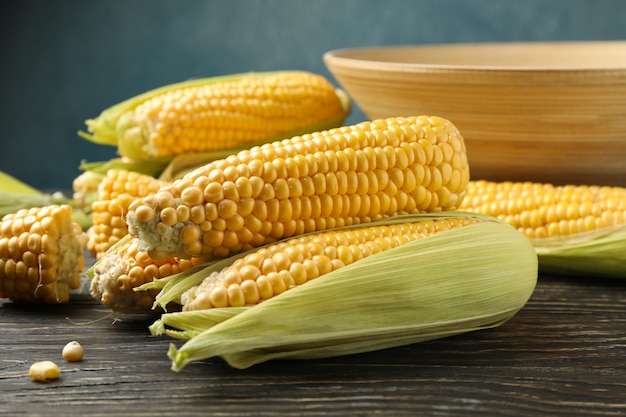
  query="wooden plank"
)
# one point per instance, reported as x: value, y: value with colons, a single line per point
x: 564, y: 353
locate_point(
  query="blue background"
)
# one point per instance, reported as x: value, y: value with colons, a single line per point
x: 65, y: 61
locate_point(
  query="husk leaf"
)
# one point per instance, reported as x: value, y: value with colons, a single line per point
x: 601, y: 254
x: 16, y: 195
x: 465, y: 279
x: 191, y: 323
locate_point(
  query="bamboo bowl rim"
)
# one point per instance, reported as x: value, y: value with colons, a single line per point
x: 508, y: 57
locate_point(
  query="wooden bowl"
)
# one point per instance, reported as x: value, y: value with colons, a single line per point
x: 546, y: 112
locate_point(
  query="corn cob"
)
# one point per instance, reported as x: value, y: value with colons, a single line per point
x: 218, y: 113
x: 116, y: 191
x: 349, y: 175
x: 575, y: 229
x: 124, y: 268
x: 475, y: 273
x: 270, y: 271
x: 41, y: 255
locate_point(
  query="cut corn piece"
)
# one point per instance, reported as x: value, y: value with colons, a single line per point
x: 116, y: 191
x: 576, y: 229
x: 124, y: 268
x: 349, y: 175
x: 41, y: 255
x: 218, y: 113
x: 459, y: 280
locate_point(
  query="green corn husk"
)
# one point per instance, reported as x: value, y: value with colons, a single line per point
x: 599, y: 254
x: 465, y: 279
x: 16, y: 195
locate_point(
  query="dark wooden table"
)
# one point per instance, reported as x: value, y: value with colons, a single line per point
x: 563, y: 354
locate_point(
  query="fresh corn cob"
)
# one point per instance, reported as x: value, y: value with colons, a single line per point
x: 218, y: 113
x: 41, y: 255
x: 474, y: 273
x: 349, y: 175
x: 575, y: 229
x: 116, y: 191
x: 267, y: 272
x: 124, y: 268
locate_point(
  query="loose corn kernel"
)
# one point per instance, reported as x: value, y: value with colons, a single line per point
x: 44, y: 371
x: 73, y: 352
x: 340, y: 183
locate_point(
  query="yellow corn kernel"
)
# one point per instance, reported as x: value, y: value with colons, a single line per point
x: 272, y: 270
x: 116, y: 191
x: 44, y: 371
x: 124, y: 268
x: 217, y: 113
x: 344, y: 176
x: 41, y: 255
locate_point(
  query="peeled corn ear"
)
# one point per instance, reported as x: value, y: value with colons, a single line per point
x: 455, y: 281
x: 576, y: 229
x: 348, y: 175
x: 219, y: 112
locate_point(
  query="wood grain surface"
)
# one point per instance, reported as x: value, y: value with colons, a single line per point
x: 563, y: 354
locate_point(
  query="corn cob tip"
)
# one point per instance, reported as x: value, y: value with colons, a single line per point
x: 117, y: 275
